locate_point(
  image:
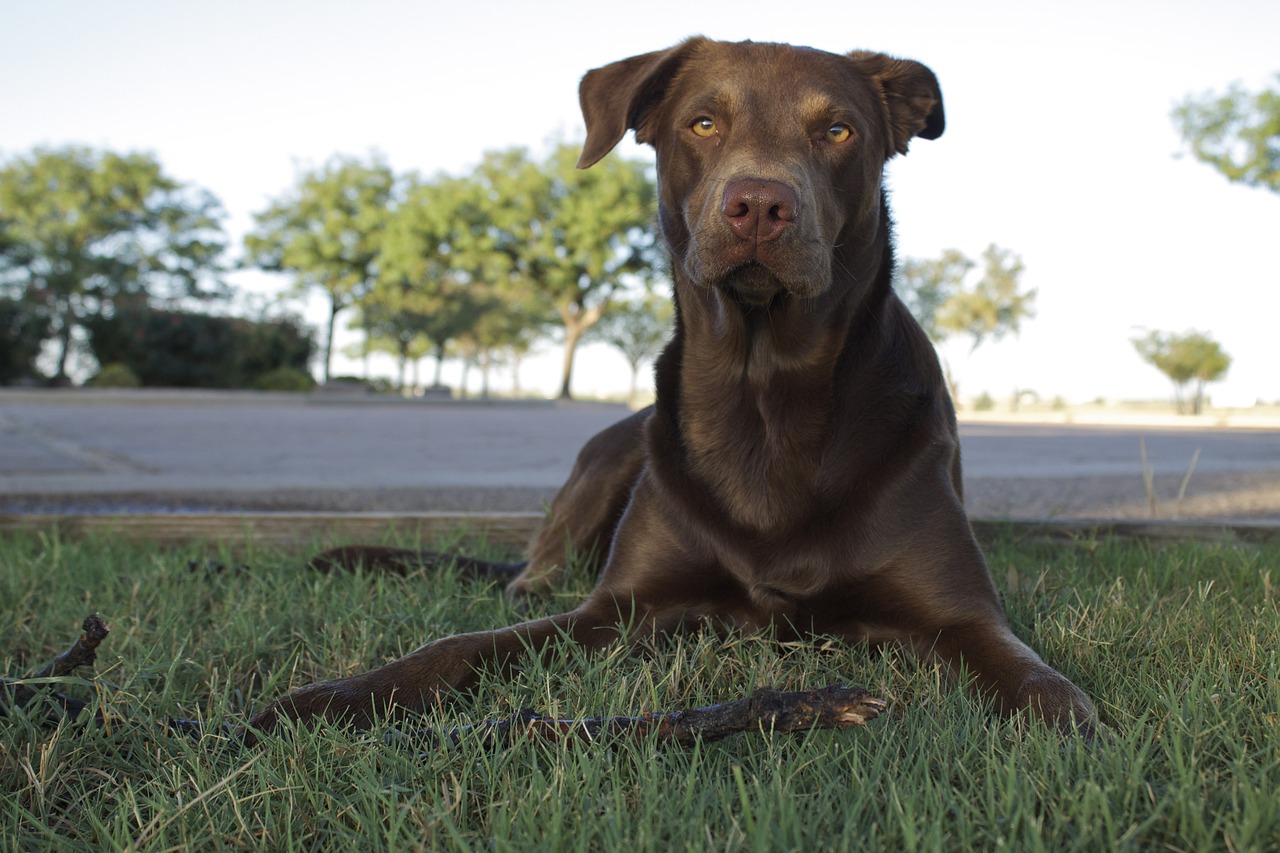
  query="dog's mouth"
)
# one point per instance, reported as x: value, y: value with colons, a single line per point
x: 753, y: 284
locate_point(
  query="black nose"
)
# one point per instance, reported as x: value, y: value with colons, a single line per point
x: 758, y: 210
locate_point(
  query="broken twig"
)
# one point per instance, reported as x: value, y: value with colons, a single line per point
x: 82, y: 652
x: 766, y: 710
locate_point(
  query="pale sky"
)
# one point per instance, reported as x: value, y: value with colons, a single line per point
x: 1058, y: 142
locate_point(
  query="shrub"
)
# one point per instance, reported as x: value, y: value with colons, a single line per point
x: 284, y: 379
x: 116, y: 375
x: 187, y: 350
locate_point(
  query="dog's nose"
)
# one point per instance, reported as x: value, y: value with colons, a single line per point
x: 758, y: 210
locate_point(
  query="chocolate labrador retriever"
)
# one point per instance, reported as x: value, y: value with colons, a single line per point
x: 801, y: 466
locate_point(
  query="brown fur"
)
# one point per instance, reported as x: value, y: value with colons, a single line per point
x: 801, y: 466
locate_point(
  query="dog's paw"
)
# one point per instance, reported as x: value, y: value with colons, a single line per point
x: 1059, y: 703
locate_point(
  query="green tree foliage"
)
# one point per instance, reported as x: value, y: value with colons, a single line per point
x: 326, y: 231
x: 949, y: 302
x: 994, y: 306
x: 638, y: 328
x: 1237, y: 132
x: 187, y: 350
x: 478, y: 263
x: 571, y: 237
x: 83, y: 231
x: 925, y: 286
x: 1184, y: 358
x: 24, y: 326
x: 437, y: 265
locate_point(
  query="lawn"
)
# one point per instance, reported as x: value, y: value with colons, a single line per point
x: 1176, y: 643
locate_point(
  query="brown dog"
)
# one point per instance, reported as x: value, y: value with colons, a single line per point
x: 800, y: 467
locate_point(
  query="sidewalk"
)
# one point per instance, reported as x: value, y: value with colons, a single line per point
x: 1262, y: 417
x: 101, y: 451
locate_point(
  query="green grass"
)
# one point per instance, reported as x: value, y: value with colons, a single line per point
x: 1176, y: 644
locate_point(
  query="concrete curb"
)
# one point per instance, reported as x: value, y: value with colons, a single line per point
x: 514, y: 529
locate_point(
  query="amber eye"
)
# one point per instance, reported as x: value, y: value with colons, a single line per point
x: 704, y: 127
x: 839, y: 132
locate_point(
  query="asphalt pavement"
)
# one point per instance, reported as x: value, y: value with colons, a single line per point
x: 83, y: 451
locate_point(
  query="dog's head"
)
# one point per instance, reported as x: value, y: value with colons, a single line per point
x: 770, y: 157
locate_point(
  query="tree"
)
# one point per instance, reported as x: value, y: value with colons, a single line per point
x: 1190, y: 356
x: 638, y: 329
x: 436, y: 263
x: 394, y: 329
x: 573, y: 237
x: 82, y: 231
x: 326, y: 231
x: 926, y: 285
x: 1237, y: 132
x: 947, y: 303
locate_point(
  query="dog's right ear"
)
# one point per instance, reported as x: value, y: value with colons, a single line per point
x: 912, y: 98
x: 619, y: 97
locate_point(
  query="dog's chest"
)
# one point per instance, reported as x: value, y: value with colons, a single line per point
x: 758, y: 458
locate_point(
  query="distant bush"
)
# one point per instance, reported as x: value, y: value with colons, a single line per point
x: 285, y: 379
x: 985, y: 403
x: 376, y: 384
x: 23, y: 328
x: 181, y: 349
x: 115, y: 376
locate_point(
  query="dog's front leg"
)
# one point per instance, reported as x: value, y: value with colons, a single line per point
x: 422, y: 677
x: 1007, y: 670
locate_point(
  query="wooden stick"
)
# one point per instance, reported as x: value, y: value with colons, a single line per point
x: 766, y: 710
x: 82, y: 652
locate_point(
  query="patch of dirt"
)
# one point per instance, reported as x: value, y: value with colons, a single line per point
x: 1237, y: 495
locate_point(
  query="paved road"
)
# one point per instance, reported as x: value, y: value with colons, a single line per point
x: 104, y: 452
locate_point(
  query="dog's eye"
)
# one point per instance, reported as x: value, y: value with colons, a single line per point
x: 704, y: 127
x: 839, y: 132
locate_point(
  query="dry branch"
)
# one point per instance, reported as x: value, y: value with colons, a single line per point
x: 82, y: 652
x: 766, y: 710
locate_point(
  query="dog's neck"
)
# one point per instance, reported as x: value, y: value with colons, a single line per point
x: 749, y: 390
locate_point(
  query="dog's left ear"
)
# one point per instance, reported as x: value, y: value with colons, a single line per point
x: 911, y: 96
x: 620, y: 96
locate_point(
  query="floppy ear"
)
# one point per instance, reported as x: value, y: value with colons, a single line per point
x: 619, y: 96
x: 911, y: 95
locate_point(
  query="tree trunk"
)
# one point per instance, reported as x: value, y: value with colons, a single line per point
x: 437, y: 379
x: 367, y: 350
x: 404, y: 363
x: 516, y: 360
x: 571, y: 336
x: 64, y: 354
x: 576, y: 321
x: 635, y: 382
x: 334, y: 308
x: 486, y: 362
